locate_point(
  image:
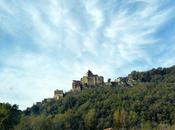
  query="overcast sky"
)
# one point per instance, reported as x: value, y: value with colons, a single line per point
x: 45, y: 44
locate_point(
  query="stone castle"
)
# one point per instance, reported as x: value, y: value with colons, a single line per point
x: 91, y: 80
x: 87, y: 81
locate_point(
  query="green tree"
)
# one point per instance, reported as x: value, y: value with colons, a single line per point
x: 9, y: 116
x: 90, y: 118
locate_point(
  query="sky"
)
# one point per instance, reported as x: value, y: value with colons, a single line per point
x: 45, y: 44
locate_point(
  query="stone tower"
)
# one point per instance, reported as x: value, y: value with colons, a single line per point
x: 76, y: 85
x: 58, y: 94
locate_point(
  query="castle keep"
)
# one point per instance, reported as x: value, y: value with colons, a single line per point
x: 87, y: 81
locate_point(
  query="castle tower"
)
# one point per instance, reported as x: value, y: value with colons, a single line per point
x: 76, y: 85
x: 58, y: 94
x: 89, y: 73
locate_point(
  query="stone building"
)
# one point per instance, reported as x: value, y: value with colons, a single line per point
x: 91, y: 79
x: 87, y: 81
x: 58, y: 94
x: 77, y: 85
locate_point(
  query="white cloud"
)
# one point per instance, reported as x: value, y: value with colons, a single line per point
x: 131, y: 32
x: 95, y: 13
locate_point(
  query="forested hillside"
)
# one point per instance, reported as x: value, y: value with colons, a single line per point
x: 148, y: 104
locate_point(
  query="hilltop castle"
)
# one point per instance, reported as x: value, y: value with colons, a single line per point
x: 91, y: 80
x: 87, y: 81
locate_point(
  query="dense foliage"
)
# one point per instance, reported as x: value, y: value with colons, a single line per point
x: 9, y: 116
x: 149, y: 104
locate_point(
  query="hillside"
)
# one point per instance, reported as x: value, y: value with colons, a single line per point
x: 142, y: 100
